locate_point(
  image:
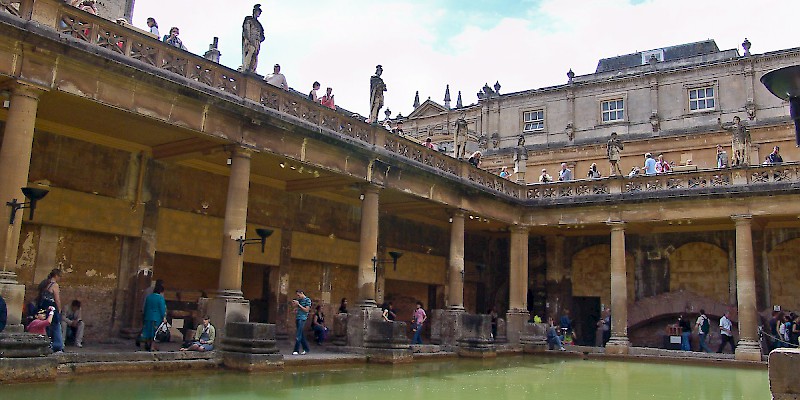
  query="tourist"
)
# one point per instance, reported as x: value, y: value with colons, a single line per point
x: 398, y: 128
x: 313, y: 94
x: 782, y: 339
x: 553, y: 338
x: 173, y: 39
x: 387, y: 124
x: 302, y: 307
x: 343, y: 306
x: 593, y: 172
x: 204, y: 337
x: 773, y: 329
x: 390, y: 314
x: 686, y: 333
x: 662, y: 167
x: 504, y: 173
x: 43, y: 321
x: 72, y: 324
x: 794, y: 330
x: 418, y: 320
x: 565, y: 323
x: 703, y: 326
x: 50, y: 296
x: 153, y: 26
x: 634, y: 172
x: 602, y: 329
x: 722, y: 157
x: 318, y: 325
x: 565, y: 174
x: 327, y: 99
x: 649, y: 164
x: 493, y: 317
x: 3, y: 314
x: 429, y: 144
x: 85, y: 5
x: 276, y: 78
x: 475, y: 159
x: 775, y: 157
x: 613, y: 149
x: 607, y: 327
x: 726, y: 333
x: 545, y: 177
x: 154, y: 313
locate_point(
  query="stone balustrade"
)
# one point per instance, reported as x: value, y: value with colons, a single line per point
x: 701, y: 179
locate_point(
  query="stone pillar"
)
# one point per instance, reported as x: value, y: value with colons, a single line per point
x: 748, y: 348
x: 518, y: 314
x: 455, y: 294
x: 228, y: 304
x: 368, y: 248
x: 619, y: 343
x: 15, y: 161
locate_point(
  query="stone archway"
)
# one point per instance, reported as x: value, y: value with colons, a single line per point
x: 784, y: 274
x: 591, y: 273
x: 701, y: 268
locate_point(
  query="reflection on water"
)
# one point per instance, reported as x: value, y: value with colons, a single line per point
x: 511, y: 378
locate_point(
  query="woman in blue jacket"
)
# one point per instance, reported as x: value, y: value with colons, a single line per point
x: 155, y: 312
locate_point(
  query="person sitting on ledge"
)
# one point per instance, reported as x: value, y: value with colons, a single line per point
x: 203, y: 337
x: 72, y: 324
x: 553, y: 339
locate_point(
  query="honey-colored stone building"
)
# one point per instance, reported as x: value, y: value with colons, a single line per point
x: 159, y: 163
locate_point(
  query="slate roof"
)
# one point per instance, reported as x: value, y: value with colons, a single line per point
x: 670, y: 53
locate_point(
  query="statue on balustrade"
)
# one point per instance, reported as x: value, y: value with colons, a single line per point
x: 252, y: 36
x: 460, y: 139
x: 740, y: 141
x: 376, y: 89
x: 520, y: 160
x: 614, y: 149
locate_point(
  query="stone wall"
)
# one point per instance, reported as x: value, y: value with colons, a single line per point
x: 784, y: 275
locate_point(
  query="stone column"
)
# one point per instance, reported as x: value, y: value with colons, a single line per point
x: 368, y: 248
x: 228, y: 304
x: 619, y: 343
x: 455, y: 294
x: 748, y: 347
x: 517, y: 285
x: 15, y: 161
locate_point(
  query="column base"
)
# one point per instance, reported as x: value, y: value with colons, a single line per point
x: 14, y: 295
x: 618, y: 345
x: 515, y: 325
x: 368, y: 303
x: 748, y: 350
x: 227, y: 309
x: 449, y: 328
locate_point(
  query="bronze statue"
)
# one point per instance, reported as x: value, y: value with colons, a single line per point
x: 614, y: 148
x: 376, y: 87
x: 252, y: 36
x: 740, y: 141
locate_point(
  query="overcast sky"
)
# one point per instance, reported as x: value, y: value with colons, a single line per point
x: 425, y: 44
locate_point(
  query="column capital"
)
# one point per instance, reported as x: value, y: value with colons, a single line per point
x: 369, y: 188
x: 457, y: 213
x: 239, y: 151
x: 616, y: 225
x: 742, y: 218
x: 519, y: 228
x: 22, y: 88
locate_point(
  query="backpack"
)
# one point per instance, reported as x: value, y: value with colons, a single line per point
x: 705, y: 327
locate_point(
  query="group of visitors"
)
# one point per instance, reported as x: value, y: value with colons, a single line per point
x: 702, y: 325
x: 784, y: 330
x: 326, y: 100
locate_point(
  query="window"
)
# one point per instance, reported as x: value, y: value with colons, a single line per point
x: 533, y: 120
x: 658, y: 54
x: 701, y: 99
x: 613, y: 110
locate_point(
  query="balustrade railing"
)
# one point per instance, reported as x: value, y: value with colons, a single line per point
x: 787, y: 172
x: 128, y: 42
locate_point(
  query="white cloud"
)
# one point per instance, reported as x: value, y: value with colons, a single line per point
x: 339, y: 43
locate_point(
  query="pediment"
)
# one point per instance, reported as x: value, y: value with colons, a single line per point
x: 427, y: 109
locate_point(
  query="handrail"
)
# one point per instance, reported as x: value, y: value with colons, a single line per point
x: 701, y: 179
x: 128, y: 42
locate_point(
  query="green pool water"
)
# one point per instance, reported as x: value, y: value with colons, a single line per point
x: 510, y: 378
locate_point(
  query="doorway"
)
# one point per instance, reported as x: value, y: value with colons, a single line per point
x: 585, y: 314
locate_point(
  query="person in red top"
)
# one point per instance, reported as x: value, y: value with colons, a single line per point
x: 39, y: 325
x: 327, y: 99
